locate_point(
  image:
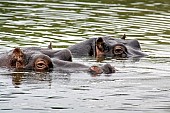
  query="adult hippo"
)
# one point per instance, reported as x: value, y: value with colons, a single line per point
x: 108, y: 47
x: 38, y: 61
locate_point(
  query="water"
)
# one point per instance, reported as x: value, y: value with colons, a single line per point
x: 138, y: 86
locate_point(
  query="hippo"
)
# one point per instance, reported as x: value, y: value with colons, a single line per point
x: 108, y: 47
x: 40, y: 62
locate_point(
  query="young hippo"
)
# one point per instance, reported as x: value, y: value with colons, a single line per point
x: 108, y: 47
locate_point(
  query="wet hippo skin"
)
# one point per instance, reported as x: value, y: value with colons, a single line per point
x: 108, y: 47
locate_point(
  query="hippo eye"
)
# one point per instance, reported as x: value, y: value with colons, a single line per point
x: 120, y: 50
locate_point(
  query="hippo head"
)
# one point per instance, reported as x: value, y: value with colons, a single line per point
x: 42, y: 63
x: 110, y: 47
x: 17, y: 59
x: 116, y: 48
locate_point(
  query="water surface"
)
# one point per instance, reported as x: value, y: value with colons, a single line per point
x: 138, y: 86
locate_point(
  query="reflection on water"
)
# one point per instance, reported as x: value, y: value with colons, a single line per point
x: 140, y: 86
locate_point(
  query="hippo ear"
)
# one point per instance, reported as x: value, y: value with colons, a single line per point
x: 100, y: 43
x: 17, y: 51
x: 50, y: 45
x: 17, y: 58
x: 123, y: 37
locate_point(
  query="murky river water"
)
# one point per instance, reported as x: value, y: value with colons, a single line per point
x: 138, y: 86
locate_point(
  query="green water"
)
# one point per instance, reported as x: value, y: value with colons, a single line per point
x: 141, y: 86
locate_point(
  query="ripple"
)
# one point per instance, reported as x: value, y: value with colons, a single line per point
x: 58, y: 107
x: 140, y: 86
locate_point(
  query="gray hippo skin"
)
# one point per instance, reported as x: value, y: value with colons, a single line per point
x: 108, y: 47
x: 64, y: 54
